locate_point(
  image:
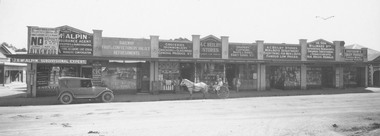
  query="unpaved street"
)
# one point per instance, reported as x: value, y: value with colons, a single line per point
x: 343, y: 114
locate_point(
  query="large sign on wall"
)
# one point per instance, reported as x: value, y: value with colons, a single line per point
x: 247, y: 51
x: 354, y: 55
x: 290, y: 52
x: 126, y: 47
x: 73, y: 42
x: 43, y: 41
x: 320, y: 50
x: 210, y: 48
x: 175, y: 49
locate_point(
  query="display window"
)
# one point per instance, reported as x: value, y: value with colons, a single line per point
x: 119, y: 76
x: 314, y: 76
x: 350, y: 76
x: 284, y: 77
x: 209, y: 72
x: 47, y: 76
x: 169, y: 75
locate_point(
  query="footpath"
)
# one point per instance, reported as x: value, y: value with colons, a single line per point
x: 15, y: 95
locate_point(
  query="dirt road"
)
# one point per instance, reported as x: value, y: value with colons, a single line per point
x: 343, y: 114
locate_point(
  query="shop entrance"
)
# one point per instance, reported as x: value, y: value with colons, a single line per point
x: 328, y: 77
x: 232, y: 72
x: 376, y: 78
x: 87, y: 72
x: 187, y: 71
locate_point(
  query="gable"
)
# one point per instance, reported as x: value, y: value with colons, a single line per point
x: 66, y: 27
x: 321, y: 40
x: 210, y: 38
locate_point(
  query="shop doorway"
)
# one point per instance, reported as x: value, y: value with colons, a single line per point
x: 187, y: 71
x: 376, y: 78
x: 328, y: 75
x: 232, y: 72
x: 87, y: 72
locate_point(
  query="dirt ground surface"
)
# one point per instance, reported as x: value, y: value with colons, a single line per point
x: 313, y: 115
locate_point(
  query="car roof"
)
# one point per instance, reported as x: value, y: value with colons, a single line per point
x: 73, y: 78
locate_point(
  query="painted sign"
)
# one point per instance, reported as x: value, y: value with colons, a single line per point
x: 126, y: 47
x: 354, y: 55
x: 320, y: 50
x: 210, y: 48
x: 290, y: 52
x: 43, y: 41
x: 175, y: 49
x: 242, y: 51
x: 58, y: 61
x: 72, y: 42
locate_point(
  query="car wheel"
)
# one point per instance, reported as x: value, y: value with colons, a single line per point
x: 107, y: 97
x: 66, y: 98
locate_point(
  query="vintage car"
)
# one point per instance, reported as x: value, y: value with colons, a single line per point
x: 71, y: 88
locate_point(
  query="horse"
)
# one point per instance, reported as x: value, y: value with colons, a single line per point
x: 195, y: 87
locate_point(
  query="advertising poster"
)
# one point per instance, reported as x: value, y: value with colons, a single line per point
x: 282, y: 52
x: 126, y: 47
x: 175, y: 49
x: 320, y: 50
x: 244, y: 51
x: 75, y: 43
x: 43, y: 41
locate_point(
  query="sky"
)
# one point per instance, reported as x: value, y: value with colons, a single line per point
x: 243, y: 21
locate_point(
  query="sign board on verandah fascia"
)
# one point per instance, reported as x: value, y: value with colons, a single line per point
x: 57, y: 61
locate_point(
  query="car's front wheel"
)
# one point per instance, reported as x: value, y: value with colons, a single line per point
x: 107, y: 97
x: 66, y: 98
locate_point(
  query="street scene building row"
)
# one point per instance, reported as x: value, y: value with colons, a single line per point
x: 137, y: 65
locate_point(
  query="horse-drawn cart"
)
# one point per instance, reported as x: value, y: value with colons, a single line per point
x: 221, y: 90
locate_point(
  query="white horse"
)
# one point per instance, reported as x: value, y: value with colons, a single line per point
x: 195, y: 87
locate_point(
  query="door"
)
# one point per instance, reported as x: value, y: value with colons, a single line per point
x: 87, y: 72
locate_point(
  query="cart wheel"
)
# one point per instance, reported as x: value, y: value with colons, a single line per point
x: 107, y: 97
x: 224, y: 92
x: 66, y: 98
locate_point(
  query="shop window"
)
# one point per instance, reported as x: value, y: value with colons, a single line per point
x: 169, y: 74
x: 284, y: 77
x: 209, y: 72
x: 350, y: 76
x: 120, y: 76
x: 314, y: 77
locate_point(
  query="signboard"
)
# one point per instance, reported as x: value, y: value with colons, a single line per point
x: 58, y: 61
x: 43, y: 41
x: 320, y: 50
x: 290, y: 52
x: 175, y: 49
x: 354, y: 55
x: 210, y: 48
x: 97, y: 74
x: 126, y: 47
x: 242, y: 51
x: 75, y: 43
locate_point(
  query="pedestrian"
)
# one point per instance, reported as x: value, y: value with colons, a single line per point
x: 237, y: 83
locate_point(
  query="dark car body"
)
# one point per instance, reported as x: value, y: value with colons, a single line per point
x: 81, y: 88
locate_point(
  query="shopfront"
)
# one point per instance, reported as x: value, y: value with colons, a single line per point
x: 132, y: 65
